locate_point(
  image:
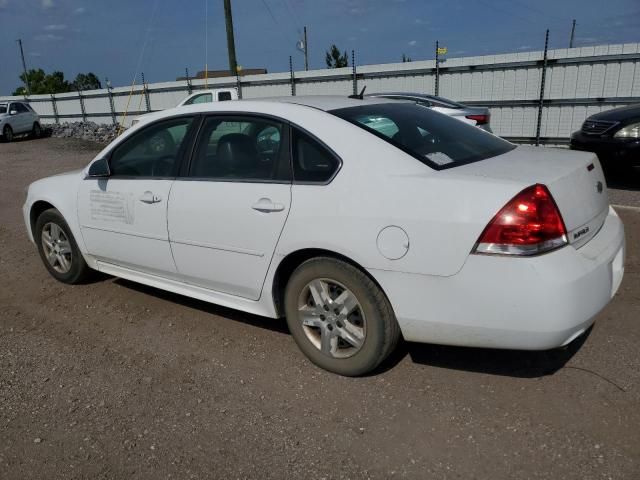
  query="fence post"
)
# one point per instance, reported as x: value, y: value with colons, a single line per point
x: 293, y: 79
x: 111, y: 105
x: 82, y: 109
x: 353, y: 68
x: 542, y: 80
x: 437, y: 89
x: 55, y: 109
x: 145, y: 90
x: 189, y: 87
x: 238, y: 84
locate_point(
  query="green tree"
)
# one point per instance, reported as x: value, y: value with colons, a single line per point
x: 406, y: 59
x: 335, y: 59
x: 42, y: 83
x: 87, y: 81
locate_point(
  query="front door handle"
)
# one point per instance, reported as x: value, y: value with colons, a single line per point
x: 265, y: 205
x: 150, y: 197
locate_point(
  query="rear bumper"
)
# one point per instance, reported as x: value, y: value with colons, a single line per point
x: 533, y: 303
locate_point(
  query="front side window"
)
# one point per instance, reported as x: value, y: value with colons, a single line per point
x: 152, y: 152
x: 312, y: 162
x: 435, y: 139
x: 203, y: 98
x: 20, y: 108
x: 244, y: 149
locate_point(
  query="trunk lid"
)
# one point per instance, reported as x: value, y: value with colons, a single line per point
x: 575, y: 180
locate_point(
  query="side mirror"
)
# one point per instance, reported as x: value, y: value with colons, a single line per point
x: 13, y: 112
x: 99, y: 168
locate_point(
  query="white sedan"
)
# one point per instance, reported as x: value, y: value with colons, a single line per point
x: 361, y: 221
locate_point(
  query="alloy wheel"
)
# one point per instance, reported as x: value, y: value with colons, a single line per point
x: 56, y: 247
x: 332, y: 318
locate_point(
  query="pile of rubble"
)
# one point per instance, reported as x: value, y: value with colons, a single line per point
x: 91, y: 131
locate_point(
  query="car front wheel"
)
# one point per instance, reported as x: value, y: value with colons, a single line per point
x: 339, y: 317
x: 58, y: 249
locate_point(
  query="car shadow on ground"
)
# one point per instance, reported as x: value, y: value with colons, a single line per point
x: 278, y: 325
x: 511, y: 363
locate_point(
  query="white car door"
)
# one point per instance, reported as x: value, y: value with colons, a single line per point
x: 226, y: 215
x: 123, y: 217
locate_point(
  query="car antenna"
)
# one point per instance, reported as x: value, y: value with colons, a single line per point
x: 359, y: 96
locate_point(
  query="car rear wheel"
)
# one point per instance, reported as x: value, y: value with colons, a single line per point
x: 339, y: 317
x: 58, y: 249
x: 7, y: 133
x: 36, y: 132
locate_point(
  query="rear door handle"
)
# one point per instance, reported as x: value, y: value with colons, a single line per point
x: 265, y: 205
x: 150, y: 197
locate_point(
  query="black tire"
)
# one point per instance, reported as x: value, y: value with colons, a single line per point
x: 36, y: 131
x: 78, y: 271
x: 7, y: 134
x: 381, y: 334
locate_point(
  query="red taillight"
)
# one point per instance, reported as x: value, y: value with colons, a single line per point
x: 528, y: 225
x: 480, y: 119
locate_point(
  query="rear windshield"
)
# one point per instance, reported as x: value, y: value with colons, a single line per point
x: 435, y: 139
x: 3, y: 108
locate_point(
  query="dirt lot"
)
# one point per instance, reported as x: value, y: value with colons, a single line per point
x: 115, y: 380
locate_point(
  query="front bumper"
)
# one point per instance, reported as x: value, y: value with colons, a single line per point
x: 534, y: 303
x: 619, y: 152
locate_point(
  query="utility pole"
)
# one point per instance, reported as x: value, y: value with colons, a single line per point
x: 437, y: 68
x: 231, y: 45
x: 573, y: 32
x: 306, y: 50
x: 542, y: 82
x: 24, y: 67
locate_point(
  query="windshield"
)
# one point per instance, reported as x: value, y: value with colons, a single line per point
x: 435, y: 139
x: 3, y: 108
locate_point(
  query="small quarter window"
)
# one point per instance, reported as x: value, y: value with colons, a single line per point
x: 223, y: 96
x: 312, y: 162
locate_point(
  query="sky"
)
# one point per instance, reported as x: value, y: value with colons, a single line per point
x: 117, y: 38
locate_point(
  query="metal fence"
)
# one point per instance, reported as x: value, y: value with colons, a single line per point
x: 579, y: 82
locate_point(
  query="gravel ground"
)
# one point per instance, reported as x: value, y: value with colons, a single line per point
x: 116, y: 380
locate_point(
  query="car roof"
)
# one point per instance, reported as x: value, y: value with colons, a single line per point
x: 326, y: 102
x: 318, y: 102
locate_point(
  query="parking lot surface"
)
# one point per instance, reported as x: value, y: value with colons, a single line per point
x: 117, y: 380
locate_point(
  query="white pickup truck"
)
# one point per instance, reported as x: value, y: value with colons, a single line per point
x: 203, y: 96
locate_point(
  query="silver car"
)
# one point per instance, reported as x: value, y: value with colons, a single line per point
x: 478, y: 116
x: 18, y: 118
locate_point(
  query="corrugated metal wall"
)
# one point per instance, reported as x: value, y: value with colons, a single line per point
x: 579, y: 82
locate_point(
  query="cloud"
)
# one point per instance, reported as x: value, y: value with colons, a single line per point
x: 4, y: 3
x: 35, y: 54
x: 524, y: 47
x: 55, y: 27
x: 47, y: 4
x: 413, y: 43
x: 79, y: 10
x: 48, y: 37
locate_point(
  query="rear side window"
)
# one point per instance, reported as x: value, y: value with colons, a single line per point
x: 3, y: 108
x: 437, y: 140
x: 312, y: 162
x: 204, y: 98
x: 223, y: 96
